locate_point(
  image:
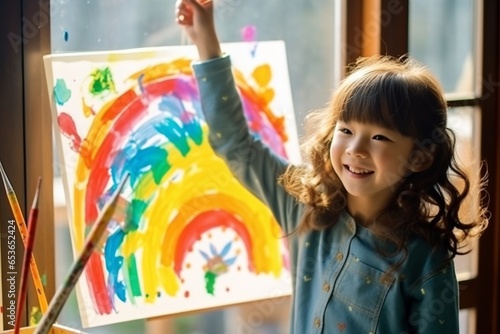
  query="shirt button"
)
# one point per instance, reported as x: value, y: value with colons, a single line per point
x: 317, y: 322
x: 339, y: 256
x: 326, y: 287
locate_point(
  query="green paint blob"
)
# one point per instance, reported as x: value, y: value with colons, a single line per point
x: 210, y: 281
x: 160, y: 169
x: 135, y: 211
x: 35, y: 316
x: 61, y: 92
x: 102, y: 81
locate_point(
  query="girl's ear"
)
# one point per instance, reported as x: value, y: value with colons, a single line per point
x: 421, y: 160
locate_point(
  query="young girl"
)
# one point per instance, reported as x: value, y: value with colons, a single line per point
x: 376, y: 209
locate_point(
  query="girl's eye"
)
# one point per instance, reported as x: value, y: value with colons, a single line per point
x: 345, y: 131
x: 380, y: 137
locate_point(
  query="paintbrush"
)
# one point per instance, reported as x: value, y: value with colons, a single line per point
x: 78, y: 265
x: 21, y: 225
x: 32, y: 221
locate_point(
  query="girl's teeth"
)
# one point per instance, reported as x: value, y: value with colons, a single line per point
x: 358, y: 170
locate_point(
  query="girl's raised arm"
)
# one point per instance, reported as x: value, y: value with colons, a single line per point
x: 251, y: 161
x: 197, y: 19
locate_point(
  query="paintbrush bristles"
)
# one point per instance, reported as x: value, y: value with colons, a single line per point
x: 6, y: 182
x: 34, y: 205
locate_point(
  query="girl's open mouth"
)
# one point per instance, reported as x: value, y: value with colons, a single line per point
x: 358, y: 171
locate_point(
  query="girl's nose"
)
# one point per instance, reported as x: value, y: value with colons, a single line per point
x: 357, y: 149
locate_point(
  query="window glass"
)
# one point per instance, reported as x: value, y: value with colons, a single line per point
x: 94, y: 25
x: 467, y: 318
x: 465, y: 122
x: 442, y: 34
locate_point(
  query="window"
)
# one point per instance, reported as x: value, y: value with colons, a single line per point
x: 445, y: 35
x: 458, y: 40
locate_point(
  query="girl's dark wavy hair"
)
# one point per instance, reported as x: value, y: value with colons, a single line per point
x: 441, y: 204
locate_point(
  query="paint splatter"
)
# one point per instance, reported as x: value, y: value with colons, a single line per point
x: 249, y: 33
x: 102, y: 81
x: 35, y: 316
x: 87, y: 110
x: 262, y: 75
x: 61, y: 92
x: 210, y: 282
x: 68, y: 128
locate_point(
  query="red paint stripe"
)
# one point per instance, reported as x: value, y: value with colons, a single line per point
x: 160, y: 87
x: 118, y: 105
x: 201, y: 224
x: 98, y: 288
x: 105, y: 115
x: 99, y: 172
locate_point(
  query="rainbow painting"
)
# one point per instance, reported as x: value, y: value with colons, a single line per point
x: 186, y: 236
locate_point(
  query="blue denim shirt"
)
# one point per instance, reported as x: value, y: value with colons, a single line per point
x: 341, y: 283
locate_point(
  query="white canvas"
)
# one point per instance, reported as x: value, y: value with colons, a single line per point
x: 187, y: 235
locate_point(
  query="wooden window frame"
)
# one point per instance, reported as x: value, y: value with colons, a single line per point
x: 26, y: 137
x: 483, y: 292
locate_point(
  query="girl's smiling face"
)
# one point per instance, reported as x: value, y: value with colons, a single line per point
x: 371, y: 161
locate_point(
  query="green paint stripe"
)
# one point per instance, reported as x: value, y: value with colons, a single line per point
x: 133, y: 276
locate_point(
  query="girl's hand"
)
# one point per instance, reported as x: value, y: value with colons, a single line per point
x: 197, y: 19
